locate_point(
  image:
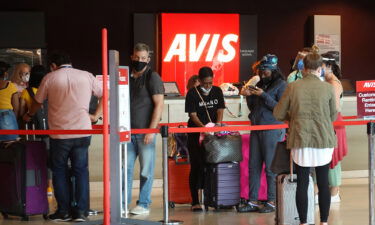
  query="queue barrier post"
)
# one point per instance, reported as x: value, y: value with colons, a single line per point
x: 166, y: 220
x: 371, y: 137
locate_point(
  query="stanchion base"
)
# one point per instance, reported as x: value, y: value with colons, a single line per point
x: 171, y: 222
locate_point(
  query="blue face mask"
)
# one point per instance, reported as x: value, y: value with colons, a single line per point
x: 300, y: 64
x: 322, y: 78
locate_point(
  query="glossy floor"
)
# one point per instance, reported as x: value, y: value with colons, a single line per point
x: 352, y: 210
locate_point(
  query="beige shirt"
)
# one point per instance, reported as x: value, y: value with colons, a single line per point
x: 68, y: 91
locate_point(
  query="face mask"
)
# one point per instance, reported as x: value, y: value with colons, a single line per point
x: 26, y: 78
x: 266, y: 80
x: 206, y: 91
x: 138, y: 66
x: 322, y: 78
x: 300, y: 65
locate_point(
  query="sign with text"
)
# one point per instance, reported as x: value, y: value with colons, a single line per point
x: 123, y: 104
x: 366, y: 98
x: 191, y: 41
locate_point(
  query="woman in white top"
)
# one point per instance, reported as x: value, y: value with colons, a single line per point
x: 310, y: 108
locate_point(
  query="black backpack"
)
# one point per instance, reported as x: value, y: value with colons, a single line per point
x: 40, y: 119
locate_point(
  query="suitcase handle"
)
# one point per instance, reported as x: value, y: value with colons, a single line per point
x: 181, y: 162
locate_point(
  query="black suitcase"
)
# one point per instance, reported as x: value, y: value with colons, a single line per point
x: 222, y: 185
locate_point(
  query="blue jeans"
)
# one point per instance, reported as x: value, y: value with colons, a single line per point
x: 146, y: 155
x: 75, y: 149
x: 262, y: 149
x: 8, y: 121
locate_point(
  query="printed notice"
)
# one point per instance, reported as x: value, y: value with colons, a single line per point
x: 366, y: 99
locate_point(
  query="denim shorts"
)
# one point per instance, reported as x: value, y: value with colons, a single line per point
x: 8, y: 122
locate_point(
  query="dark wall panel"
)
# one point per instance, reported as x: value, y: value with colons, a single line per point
x: 75, y: 26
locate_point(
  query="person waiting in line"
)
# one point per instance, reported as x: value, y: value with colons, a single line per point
x: 9, y: 104
x: 68, y: 91
x: 36, y: 75
x: 146, y: 100
x: 261, y: 100
x: 20, y: 76
x: 192, y: 82
x: 297, y: 67
x: 204, y: 104
x: 310, y: 108
x: 332, y: 74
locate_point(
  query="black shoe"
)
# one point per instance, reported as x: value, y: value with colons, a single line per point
x: 79, y: 217
x: 60, y: 217
x: 249, y: 207
x: 268, y: 208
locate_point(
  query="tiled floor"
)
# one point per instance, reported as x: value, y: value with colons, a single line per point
x: 353, y: 210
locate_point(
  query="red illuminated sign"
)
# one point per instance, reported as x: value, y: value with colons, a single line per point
x: 366, y: 98
x: 191, y: 41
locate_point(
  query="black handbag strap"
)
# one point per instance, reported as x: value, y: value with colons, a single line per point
x: 204, y: 103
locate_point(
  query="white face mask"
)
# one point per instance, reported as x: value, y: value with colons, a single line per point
x: 26, y: 78
x: 206, y: 91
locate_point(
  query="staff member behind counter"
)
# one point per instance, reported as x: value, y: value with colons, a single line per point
x: 204, y: 104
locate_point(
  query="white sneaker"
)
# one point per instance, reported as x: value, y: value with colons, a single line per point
x: 138, y: 210
x: 336, y: 198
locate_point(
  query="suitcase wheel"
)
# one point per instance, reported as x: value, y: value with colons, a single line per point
x: 171, y: 205
x: 45, y: 216
x: 25, y: 218
x: 5, y: 216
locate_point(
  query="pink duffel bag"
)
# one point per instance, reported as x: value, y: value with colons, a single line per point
x: 244, y: 173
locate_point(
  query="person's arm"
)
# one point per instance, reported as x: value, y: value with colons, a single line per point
x: 268, y: 100
x: 220, y: 113
x: 23, y: 107
x: 98, y: 112
x: 158, y: 100
x: 194, y: 117
x: 337, y: 88
x: 332, y: 106
x: 280, y: 111
x: 35, y: 106
x: 16, y: 103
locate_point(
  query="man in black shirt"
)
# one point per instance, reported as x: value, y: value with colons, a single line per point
x: 204, y: 104
x: 146, y: 106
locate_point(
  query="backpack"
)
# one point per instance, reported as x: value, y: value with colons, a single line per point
x: 40, y: 119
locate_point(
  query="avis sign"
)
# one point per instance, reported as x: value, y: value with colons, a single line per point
x: 366, y: 98
x: 191, y: 41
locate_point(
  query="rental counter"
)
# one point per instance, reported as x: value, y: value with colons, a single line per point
x: 354, y: 164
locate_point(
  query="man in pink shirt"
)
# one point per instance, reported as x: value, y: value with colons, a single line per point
x: 68, y: 91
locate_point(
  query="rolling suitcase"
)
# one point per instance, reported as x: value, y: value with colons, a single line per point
x: 222, y: 185
x: 178, y: 181
x: 23, y: 188
x: 286, y: 213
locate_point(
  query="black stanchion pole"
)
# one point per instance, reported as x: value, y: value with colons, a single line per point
x: 166, y: 221
x: 371, y: 137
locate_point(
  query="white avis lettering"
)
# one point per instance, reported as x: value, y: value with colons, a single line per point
x: 179, y: 46
x: 369, y: 84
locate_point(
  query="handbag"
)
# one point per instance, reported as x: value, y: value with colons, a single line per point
x: 223, y: 148
x: 282, y: 163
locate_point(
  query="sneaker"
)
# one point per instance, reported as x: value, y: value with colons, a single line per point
x: 138, y: 210
x: 60, y: 217
x: 79, y: 217
x: 268, y: 208
x: 249, y: 207
x: 336, y: 198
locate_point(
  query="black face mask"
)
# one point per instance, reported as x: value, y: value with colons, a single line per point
x: 266, y: 80
x: 138, y: 66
